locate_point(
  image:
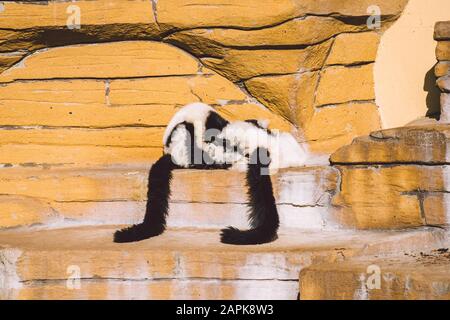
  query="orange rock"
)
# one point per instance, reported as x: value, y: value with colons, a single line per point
x: 187, y: 14
x: 304, y: 31
x: 61, y: 114
x: 442, y: 68
x: 339, y: 124
x: 354, y: 48
x: 359, y: 85
x: 245, y: 64
x: 405, y: 276
x: 415, y: 144
x: 291, y: 96
x: 52, y: 14
x: 76, y: 155
x: 20, y: 211
x: 443, y: 50
x: 112, y: 60
x: 115, y: 137
x: 389, y: 196
x: 442, y: 31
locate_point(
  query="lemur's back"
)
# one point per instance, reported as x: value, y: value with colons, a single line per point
x: 192, y: 113
x: 229, y: 143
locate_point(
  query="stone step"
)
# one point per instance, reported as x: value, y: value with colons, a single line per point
x: 59, y: 196
x: 180, y: 264
x: 425, y: 144
x: 405, y: 276
x: 395, y: 178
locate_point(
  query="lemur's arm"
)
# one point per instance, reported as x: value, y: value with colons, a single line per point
x: 263, y: 215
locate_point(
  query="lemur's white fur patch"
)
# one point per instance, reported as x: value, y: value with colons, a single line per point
x: 283, y: 148
x: 263, y: 123
x: 243, y: 138
x: 177, y: 148
x: 195, y: 113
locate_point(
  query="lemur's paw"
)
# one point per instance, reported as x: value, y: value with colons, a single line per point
x: 137, y: 232
x: 232, y: 235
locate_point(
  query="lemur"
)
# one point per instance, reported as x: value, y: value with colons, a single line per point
x: 197, y: 137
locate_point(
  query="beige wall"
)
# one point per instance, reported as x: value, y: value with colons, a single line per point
x: 406, y: 54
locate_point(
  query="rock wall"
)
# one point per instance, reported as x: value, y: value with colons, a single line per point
x: 309, y: 62
x: 106, y: 104
x: 442, y: 69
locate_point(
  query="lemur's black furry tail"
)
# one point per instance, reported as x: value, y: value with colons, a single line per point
x: 157, y: 204
x: 263, y: 214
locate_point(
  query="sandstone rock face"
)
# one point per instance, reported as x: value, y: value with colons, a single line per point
x: 443, y: 51
x: 405, y: 276
x: 442, y: 69
x: 279, y: 52
x: 354, y: 48
x: 409, y: 145
x: 442, y: 31
x: 296, y: 32
x: 240, y: 65
x: 78, y: 61
x: 68, y: 112
x: 291, y: 96
x: 394, y: 178
x: 186, y: 14
x: 54, y: 14
x: 378, y: 197
x: 340, y: 122
x: 332, y: 80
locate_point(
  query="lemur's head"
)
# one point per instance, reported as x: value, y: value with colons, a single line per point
x: 246, y: 136
x: 242, y: 138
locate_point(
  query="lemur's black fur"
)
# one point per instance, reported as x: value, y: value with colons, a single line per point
x: 263, y: 215
x: 158, y: 194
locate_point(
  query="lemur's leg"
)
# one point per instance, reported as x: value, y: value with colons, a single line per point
x: 263, y: 214
x: 157, y: 204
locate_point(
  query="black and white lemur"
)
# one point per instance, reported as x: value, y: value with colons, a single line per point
x: 197, y: 137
